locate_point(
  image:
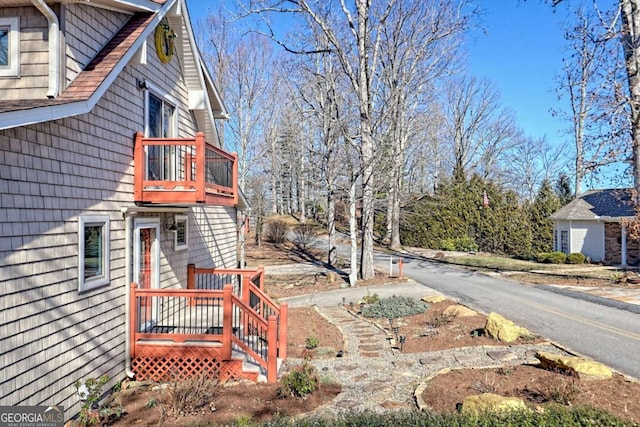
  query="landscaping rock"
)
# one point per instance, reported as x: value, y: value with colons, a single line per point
x: 459, y: 311
x: 491, y: 402
x: 433, y: 299
x: 503, y: 329
x: 586, y: 369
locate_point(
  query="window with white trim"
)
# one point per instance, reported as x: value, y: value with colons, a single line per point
x: 181, y: 233
x: 564, y: 241
x: 9, y: 47
x: 93, y: 252
x: 160, y: 122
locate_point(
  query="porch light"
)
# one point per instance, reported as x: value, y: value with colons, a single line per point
x: 170, y: 224
x: 402, y: 339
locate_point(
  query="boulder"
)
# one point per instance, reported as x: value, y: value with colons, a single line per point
x: 459, y: 311
x: 433, y: 299
x: 503, y: 329
x: 585, y: 369
x: 491, y: 402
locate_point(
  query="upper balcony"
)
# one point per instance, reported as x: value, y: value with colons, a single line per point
x: 184, y: 171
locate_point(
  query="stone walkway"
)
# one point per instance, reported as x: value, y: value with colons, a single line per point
x: 376, y: 377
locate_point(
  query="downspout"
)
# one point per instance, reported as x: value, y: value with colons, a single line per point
x: 127, y: 291
x: 54, y: 47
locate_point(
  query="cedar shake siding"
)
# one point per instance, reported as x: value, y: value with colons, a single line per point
x: 51, y: 173
x: 34, y: 55
x: 87, y: 29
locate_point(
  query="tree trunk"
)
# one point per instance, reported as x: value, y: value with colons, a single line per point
x: 332, y: 257
x: 353, y: 234
x: 631, y: 46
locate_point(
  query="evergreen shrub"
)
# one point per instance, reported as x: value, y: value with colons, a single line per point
x: 556, y: 258
x: 542, y: 257
x: 466, y: 244
x: 299, y: 382
x: 448, y: 244
x: 576, y: 258
x: 394, y: 306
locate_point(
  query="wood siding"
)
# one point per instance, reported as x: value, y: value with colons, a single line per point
x: 87, y: 29
x: 50, y: 174
x: 32, y: 83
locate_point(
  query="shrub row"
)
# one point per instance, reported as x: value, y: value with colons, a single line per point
x: 553, y: 416
x: 561, y: 258
x: 394, y: 306
x: 462, y: 244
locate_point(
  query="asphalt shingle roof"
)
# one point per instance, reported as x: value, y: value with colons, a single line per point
x: 596, y: 204
x: 88, y: 81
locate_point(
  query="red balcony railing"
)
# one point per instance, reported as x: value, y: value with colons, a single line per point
x: 184, y: 171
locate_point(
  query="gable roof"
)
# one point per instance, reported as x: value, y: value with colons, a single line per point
x: 598, y: 205
x: 91, y: 83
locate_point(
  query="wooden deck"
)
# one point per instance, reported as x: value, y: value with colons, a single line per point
x: 178, y: 333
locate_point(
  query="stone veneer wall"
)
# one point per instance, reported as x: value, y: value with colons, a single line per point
x: 613, y: 247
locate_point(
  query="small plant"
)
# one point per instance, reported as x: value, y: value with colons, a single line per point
x: 394, y: 307
x: 562, y: 392
x: 303, y: 235
x: 576, y: 258
x: 465, y: 244
x: 183, y: 396
x: 371, y: 299
x: 299, y: 382
x: 91, y: 412
x: 489, y: 385
x: 448, y: 245
x: 617, y: 276
x: 311, y: 342
x: 277, y: 231
x: 440, y: 318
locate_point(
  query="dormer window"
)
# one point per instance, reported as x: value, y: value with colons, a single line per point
x: 9, y: 47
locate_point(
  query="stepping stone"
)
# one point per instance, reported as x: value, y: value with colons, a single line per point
x: 388, y: 404
x: 370, y: 347
x: 369, y: 354
x: 347, y: 404
x: 466, y: 359
x: 502, y: 356
x: 375, y: 387
x: 403, y: 363
x: 346, y: 367
x: 430, y: 360
x: 359, y: 378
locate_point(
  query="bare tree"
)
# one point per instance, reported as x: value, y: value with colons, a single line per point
x: 591, y: 81
x: 419, y: 44
x: 479, y: 130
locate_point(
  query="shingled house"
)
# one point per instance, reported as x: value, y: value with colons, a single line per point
x: 119, y: 208
x: 593, y: 225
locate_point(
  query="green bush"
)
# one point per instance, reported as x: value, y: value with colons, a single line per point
x: 556, y: 258
x: 552, y: 416
x: 448, y: 245
x: 542, y: 256
x: 395, y: 306
x: 299, y: 382
x: 466, y: 244
x: 576, y: 258
x: 311, y: 342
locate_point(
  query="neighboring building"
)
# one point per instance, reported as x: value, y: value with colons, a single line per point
x: 593, y: 225
x: 112, y: 173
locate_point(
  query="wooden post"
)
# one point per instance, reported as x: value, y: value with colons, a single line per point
x: 227, y: 321
x: 191, y: 281
x: 400, y: 265
x: 201, y: 167
x: 272, y: 351
x: 139, y: 162
x: 261, y: 270
x: 282, y: 330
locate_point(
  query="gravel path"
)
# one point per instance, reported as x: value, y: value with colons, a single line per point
x: 376, y: 377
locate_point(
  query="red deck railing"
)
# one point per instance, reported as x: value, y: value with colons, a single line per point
x: 184, y: 171
x: 225, y: 308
